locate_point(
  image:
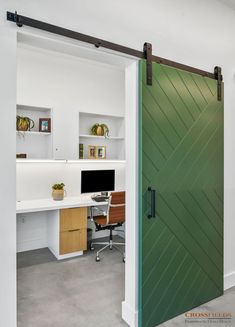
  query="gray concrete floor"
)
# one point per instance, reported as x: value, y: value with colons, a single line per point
x: 83, y: 293
x: 76, y: 292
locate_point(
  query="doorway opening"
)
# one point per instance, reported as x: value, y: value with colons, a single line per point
x: 63, y: 90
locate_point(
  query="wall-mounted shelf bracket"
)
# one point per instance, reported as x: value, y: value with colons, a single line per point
x: 219, y: 78
x: 148, y: 56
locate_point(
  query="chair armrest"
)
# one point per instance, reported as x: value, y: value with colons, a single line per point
x: 103, y: 213
x: 117, y: 205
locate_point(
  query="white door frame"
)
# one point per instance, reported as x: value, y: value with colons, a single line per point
x: 130, y: 305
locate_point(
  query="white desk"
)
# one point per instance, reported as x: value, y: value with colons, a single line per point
x: 26, y: 206
x: 52, y: 211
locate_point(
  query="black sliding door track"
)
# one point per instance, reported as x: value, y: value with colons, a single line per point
x: 146, y: 54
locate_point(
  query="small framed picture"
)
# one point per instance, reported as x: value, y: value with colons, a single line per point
x: 91, y: 152
x: 45, y: 125
x: 101, y: 152
x: 81, y: 151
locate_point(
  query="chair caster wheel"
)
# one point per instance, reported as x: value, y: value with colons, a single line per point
x: 92, y: 248
x: 110, y: 248
x: 124, y: 260
x: 97, y: 259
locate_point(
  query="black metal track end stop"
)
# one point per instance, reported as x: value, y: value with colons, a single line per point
x: 13, y: 17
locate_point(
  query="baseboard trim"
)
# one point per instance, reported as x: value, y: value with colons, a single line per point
x: 28, y: 245
x: 129, y: 315
x: 229, y: 280
x: 67, y: 256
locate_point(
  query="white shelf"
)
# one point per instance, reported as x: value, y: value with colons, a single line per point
x: 101, y: 161
x: 32, y: 133
x: 79, y: 161
x: 87, y: 136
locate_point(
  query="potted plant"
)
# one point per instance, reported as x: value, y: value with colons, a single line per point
x: 100, y: 130
x: 58, y: 192
x: 24, y: 123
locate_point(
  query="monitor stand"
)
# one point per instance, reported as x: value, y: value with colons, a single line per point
x: 100, y: 197
x: 104, y: 193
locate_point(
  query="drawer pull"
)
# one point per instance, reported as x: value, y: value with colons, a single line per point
x: 73, y: 230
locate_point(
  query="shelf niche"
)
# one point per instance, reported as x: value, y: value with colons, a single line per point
x: 37, y: 145
x: 115, y: 143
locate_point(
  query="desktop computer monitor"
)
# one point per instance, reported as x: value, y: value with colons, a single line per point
x: 93, y: 181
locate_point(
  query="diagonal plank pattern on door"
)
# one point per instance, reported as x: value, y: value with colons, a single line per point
x: 181, y: 156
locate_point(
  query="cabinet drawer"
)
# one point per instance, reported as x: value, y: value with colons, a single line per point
x: 74, y: 218
x: 72, y: 241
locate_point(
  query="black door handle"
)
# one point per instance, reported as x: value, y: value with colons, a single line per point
x: 152, y: 213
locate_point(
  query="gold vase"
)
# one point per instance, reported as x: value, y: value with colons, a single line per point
x: 100, y: 131
x: 58, y: 195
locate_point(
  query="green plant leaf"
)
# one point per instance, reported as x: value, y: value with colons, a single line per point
x: 59, y: 186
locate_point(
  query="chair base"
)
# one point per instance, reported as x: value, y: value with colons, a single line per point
x: 109, y: 244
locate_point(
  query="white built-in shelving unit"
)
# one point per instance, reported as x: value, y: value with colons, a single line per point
x: 37, y: 145
x: 114, y: 143
x: 43, y: 146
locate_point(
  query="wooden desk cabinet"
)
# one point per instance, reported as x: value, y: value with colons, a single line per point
x: 66, y: 224
x: 73, y: 230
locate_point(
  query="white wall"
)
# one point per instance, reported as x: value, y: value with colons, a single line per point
x: 68, y: 85
x: 7, y: 177
x: 197, y: 32
x: 34, y: 180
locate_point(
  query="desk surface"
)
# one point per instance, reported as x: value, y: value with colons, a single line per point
x: 49, y: 204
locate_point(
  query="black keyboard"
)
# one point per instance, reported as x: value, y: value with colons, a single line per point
x: 100, y: 198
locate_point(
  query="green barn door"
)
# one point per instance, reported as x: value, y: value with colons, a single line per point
x: 181, y: 159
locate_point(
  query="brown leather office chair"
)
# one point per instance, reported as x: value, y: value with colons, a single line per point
x: 113, y: 218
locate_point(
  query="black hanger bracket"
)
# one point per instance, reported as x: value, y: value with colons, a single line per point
x: 148, y: 56
x: 219, y: 78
